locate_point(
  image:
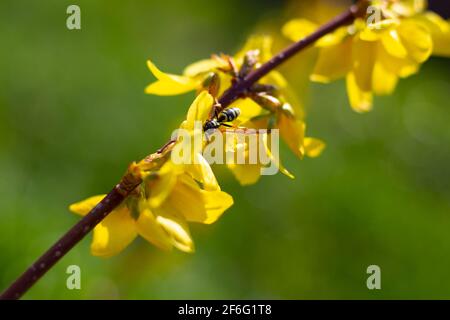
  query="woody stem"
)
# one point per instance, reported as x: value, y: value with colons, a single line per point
x: 121, y: 191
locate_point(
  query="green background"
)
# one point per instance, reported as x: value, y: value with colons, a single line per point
x: 73, y: 114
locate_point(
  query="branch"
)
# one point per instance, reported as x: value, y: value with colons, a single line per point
x: 129, y: 182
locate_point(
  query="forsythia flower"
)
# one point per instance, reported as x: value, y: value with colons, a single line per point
x: 160, y: 209
x: 374, y: 55
x: 258, y: 111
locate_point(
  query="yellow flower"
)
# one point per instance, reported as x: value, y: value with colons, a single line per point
x: 373, y: 56
x: 192, y: 78
x: 168, y: 198
x: 288, y: 117
x: 291, y: 131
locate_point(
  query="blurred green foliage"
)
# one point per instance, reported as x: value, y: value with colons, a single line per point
x: 73, y: 115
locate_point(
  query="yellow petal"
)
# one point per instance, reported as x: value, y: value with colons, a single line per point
x: 440, y: 33
x: 200, y: 67
x: 393, y: 45
x: 178, y: 230
x: 402, y: 67
x: 364, y: 53
x: 384, y: 82
x: 114, y: 233
x: 83, y: 207
x: 202, y: 172
x: 186, y: 200
x: 190, y: 202
x: 360, y: 100
x: 408, y: 8
x: 298, y: 29
x: 152, y: 231
x: 292, y: 132
x: 384, y: 25
x: 246, y: 174
x: 163, y: 185
x: 417, y: 40
x: 169, y: 84
x: 334, y: 62
x: 313, y: 147
x: 216, y: 202
x: 199, y: 110
x: 275, y: 159
x: 275, y: 78
x: 367, y: 34
x: 249, y: 109
x: 185, y: 197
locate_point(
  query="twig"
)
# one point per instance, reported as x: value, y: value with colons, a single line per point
x: 129, y: 182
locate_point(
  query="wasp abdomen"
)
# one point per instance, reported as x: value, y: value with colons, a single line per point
x: 211, y: 124
x: 229, y: 115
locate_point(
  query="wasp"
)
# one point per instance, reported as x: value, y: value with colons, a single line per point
x: 226, y: 115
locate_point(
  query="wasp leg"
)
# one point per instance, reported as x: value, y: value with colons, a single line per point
x: 215, y: 110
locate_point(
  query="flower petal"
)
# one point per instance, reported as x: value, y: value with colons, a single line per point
x: 199, y: 110
x: 440, y: 33
x: 246, y: 174
x: 313, y: 147
x: 275, y: 158
x: 178, y: 230
x: 163, y: 184
x: 360, y: 100
x: 249, y: 110
x: 199, y: 67
x: 408, y: 8
x: 298, y: 29
x: 364, y: 53
x: 393, y: 45
x: 169, y: 84
x: 292, y: 132
x: 114, y: 233
x: 201, y: 171
x: 216, y: 202
x: 383, y: 82
x: 334, y: 62
x: 417, y: 40
x: 152, y: 231
x: 83, y: 207
x: 402, y: 67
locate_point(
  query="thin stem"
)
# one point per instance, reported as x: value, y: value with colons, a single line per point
x: 129, y: 182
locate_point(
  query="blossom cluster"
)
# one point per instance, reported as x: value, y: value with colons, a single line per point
x: 370, y: 55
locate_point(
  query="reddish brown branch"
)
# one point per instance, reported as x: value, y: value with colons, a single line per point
x: 129, y: 183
